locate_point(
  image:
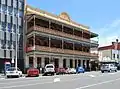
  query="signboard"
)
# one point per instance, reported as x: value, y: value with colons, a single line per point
x: 7, y: 65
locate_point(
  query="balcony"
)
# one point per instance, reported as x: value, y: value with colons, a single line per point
x: 58, y: 33
x: 62, y: 51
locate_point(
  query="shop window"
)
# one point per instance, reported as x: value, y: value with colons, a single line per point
x: 38, y: 62
x: 113, y: 55
x: 30, y: 61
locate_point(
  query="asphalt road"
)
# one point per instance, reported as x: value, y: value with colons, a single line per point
x: 91, y: 80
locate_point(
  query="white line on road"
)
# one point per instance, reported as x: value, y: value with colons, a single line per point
x: 23, y: 81
x: 6, y: 87
x: 88, y: 86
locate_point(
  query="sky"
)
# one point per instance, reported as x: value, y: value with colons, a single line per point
x: 102, y: 16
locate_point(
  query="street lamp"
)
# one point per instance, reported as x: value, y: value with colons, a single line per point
x: 16, y: 51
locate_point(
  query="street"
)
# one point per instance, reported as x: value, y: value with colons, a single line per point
x: 90, y: 80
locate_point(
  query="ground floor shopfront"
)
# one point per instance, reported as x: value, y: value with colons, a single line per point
x: 39, y: 60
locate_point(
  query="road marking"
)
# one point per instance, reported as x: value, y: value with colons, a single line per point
x: 56, y: 79
x: 7, y: 87
x: 92, y: 85
x: 22, y: 81
x: 92, y: 76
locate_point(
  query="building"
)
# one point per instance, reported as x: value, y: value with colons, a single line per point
x: 110, y: 53
x: 94, y: 63
x: 11, y: 27
x: 57, y: 39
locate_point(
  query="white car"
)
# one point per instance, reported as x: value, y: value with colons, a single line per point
x: 108, y: 67
x: 71, y: 70
x: 49, y: 69
x: 12, y: 72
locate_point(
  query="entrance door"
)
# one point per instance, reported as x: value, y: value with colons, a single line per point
x: 56, y: 63
x: 75, y: 63
x: 79, y: 62
x: 47, y: 61
x: 30, y: 61
x: 64, y: 63
x: 71, y: 63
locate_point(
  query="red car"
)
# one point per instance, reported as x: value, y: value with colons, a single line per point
x: 60, y: 71
x: 33, y: 72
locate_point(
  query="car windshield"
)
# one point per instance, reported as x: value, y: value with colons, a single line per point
x: 11, y: 69
x: 49, y: 67
x: 105, y: 65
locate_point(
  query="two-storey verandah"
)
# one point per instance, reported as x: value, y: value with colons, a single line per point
x: 50, y: 41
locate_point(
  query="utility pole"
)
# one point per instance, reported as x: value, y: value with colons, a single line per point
x: 16, y: 51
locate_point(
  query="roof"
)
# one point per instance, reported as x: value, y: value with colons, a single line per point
x: 63, y: 17
x: 110, y: 47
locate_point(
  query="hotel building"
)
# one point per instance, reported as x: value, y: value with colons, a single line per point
x: 57, y: 39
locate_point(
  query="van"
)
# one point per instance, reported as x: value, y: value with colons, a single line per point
x: 108, y: 68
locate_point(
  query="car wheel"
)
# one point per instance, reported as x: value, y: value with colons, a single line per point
x: 102, y: 71
x: 52, y: 74
x: 37, y: 75
x: 109, y: 70
x: 115, y: 70
x: 8, y: 76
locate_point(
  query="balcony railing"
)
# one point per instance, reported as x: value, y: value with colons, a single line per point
x: 62, y: 51
x: 58, y: 33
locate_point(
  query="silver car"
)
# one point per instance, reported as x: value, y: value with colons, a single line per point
x: 108, y: 68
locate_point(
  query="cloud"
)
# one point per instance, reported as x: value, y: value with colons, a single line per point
x: 109, y: 33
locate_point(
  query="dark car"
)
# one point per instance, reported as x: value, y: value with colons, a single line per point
x: 33, y: 72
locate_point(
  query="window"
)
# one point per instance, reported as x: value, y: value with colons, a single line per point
x: 20, y: 21
x: 71, y: 63
x: 113, y: 55
x: 14, y: 3
x: 21, y: 13
x: 38, y: 61
x: 3, y: 25
x: 20, y: 30
x: 5, y: 53
x: 9, y: 27
x: 10, y: 10
x: 14, y: 28
x: 15, y: 12
x: 30, y: 61
x: 20, y: 5
x: 3, y: 1
x: 4, y: 9
x: 3, y: 17
x: 3, y: 44
x: 118, y: 56
x: 9, y: 3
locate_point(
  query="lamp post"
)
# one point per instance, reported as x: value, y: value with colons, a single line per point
x: 116, y: 47
x: 16, y: 52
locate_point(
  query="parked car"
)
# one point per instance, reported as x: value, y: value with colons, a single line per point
x: 80, y: 70
x: 108, y: 68
x: 31, y: 72
x: 49, y: 69
x: 71, y: 71
x: 12, y: 72
x: 60, y: 71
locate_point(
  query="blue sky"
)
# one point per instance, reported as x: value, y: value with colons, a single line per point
x: 103, y: 16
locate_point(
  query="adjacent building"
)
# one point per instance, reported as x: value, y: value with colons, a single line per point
x: 57, y: 39
x: 110, y: 53
x: 11, y: 30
